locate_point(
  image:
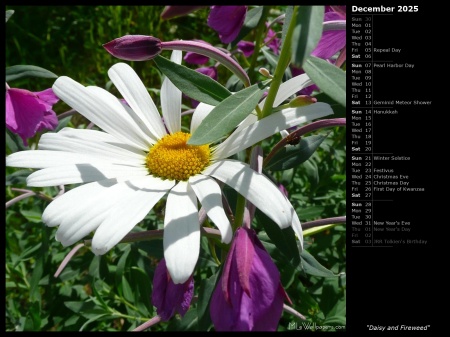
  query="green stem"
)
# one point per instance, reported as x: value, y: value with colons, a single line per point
x: 284, y: 59
x: 259, y: 36
x: 239, y: 216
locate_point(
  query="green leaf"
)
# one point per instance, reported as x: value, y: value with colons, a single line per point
x: 286, y: 267
x: 98, y: 296
x: 121, y: 265
x: 307, y: 32
x: 38, y: 271
x: 32, y: 215
x: 312, y: 212
x: 329, y: 78
x: 293, y: 155
x: 93, y: 319
x: 9, y: 13
x: 192, y: 83
x: 313, y: 267
x: 25, y: 254
x: 332, y: 300
x: 336, y: 320
x: 14, y: 142
x: 287, y: 22
x: 189, y: 322
x: 79, y: 306
x: 126, y: 289
x: 19, y: 71
x: 251, y: 21
x: 17, y: 177
x: 312, y: 172
x: 204, y: 295
x: 227, y: 115
x: 142, y: 285
x: 339, y: 111
x: 284, y: 239
x: 62, y: 123
x: 34, y: 312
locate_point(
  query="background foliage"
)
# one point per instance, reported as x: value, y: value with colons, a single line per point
x: 112, y: 292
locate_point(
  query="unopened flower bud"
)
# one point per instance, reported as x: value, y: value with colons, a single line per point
x: 265, y: 72
x: 134, y: 47
x: 302, y: 100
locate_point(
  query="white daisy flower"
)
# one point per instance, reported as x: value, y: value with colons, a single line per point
x: 134, y: 162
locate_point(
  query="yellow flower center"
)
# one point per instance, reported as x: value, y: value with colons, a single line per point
x: 171, y: 158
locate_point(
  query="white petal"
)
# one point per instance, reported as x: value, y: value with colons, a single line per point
x: 289, y: 88
x: 255, y: 187
x: 171, y: 99
x: 100, y: 150
x: 46, y: 158
x: 91, y: 211
x: 96, y: 136
x: 58, y: 208
x: 199, y: 114
x: 281, y: 120
x: 132, y: 129
x: 210, y: 196
x: 181, y: 232
x: 136, y: 95
x: 297, y: 227
x: 82, y: 173
x: 108, y: 115
x: 130, y: 211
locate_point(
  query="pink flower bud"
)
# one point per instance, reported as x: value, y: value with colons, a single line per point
x: 134, y: 47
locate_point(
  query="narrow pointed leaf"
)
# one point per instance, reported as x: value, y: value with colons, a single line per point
x: 313, y: 267
x: 287, y: 22
x: 192, y: 83
x: 205, y: 291
x: 307, y: 32
x: 227, y: 115
x: 329, y: 78
x: 19, y: 71
x: 293, y: 155
x: 284, y: 239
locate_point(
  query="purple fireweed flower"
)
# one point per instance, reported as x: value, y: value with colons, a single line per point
x: 208, y: 71
x: 227, y: 21
x: 30, y: 112
x: 331, y: 41
x: 134, y: 47
x: 246, y: 47
x: 249, y: 295
x: 272, y: 41
x: 170, y: 298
